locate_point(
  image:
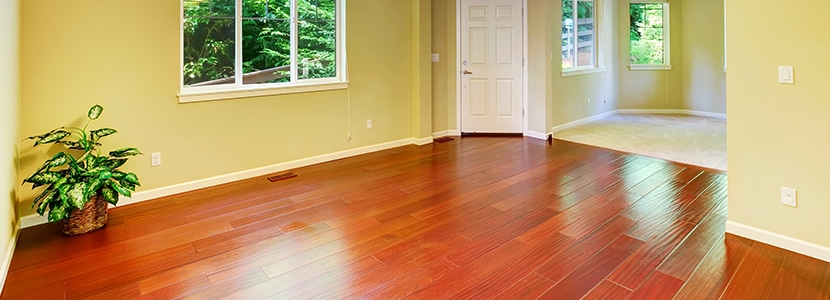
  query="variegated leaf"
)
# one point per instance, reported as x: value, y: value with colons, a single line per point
x: 95, y: 112
x: 124, y: 152
x: 132, y: 178
x: 115, y: 163
x: 99, y: 133
x: 115, y: 185
x: 38, y: 137
x: 93, y: 186
x: 43, y: 178
x: 44, y: 204
x: 109, y: 195
x: 45, y: 197
x: 77, y: 195
x: 105, y: 174
x: 59, y: 212
x: 58, y: 160
x: 53, y: 137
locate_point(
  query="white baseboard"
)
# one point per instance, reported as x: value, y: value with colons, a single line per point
x: 446, y: 133
x: 34, y: 219
x: 7, y: 261
x: 653, y: 111
x: 583, y: 121
x: 537, y: 135
x: 422, y: 141
x: 706, y: 114
x: 673, y: 112
x: 778, y: 240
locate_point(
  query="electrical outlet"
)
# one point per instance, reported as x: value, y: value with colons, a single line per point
x: 369, y: 124
x: 589, y: 100
x: 155, y: 159
x: 788, y: 196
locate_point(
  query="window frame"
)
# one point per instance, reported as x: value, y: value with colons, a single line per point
x: 296, y: 85
x: 597, y: 65
x: 666, y: 65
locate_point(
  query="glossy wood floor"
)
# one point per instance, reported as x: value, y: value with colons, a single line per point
x: 473, y: 218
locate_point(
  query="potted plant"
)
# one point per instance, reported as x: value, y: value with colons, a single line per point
x: 81, y: 180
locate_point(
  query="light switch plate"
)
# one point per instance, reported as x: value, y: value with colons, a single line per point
x: 435, y: 57
x: 785, y: 74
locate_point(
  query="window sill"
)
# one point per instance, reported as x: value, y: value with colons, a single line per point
x: 649, y: 67
x: 577, y: 72
x: 255, y: 91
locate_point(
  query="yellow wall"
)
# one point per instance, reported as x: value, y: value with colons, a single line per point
x: 704, y: 82
x: 444, y: 109
x: 125, y: 56
x: 421, y: 69
x: 571, y: 93
x: 9, y: 100
x: 651, y: 89
x: 778, y: 134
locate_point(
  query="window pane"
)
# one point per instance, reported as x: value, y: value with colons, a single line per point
x: 266, y: 41
x: 568, y: 47
x: 585, y: 36
x: 316, y: 46
x: 646, y: 33
x: 208, y: 42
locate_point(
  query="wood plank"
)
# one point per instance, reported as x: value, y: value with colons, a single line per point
x: 637, y: 267
x: 716, y: 269
x: 658, y: 286
x: 608, y: 290
x: 530, y: 287
x: 686, y: 257
x: 756, y: 274
x: 594, y: 271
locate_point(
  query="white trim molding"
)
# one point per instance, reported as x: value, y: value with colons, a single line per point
x: 673, y: 112
x: 583, y: 121
x: 7, y: 261
x: 34, y: 219
x: 446, y: 133
x: 537, y: 135
x: 778, y: 240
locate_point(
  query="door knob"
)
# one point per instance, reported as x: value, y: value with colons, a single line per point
x: 467, y: 72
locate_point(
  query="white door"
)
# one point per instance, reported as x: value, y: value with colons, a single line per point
x: 491, y: 66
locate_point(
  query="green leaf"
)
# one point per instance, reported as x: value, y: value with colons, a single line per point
x: 124, y: 152
x: 58, y: 160
x: 44, y: 204
x: 42, y: 178
x: 52, y: 137
x: 132, y: 178
x: 115, y: 163
x: 109, y: 195
x: 105, y: 174
x: 95, y: 112
x: 57, y: 213
x: 115, y: 185
x: 77, y: 195
x: 93, y: 186
x: 99, y: 133
x: 45, y: 197
x: 72, y: 145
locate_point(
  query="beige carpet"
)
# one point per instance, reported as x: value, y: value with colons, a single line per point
x: 693, y: 140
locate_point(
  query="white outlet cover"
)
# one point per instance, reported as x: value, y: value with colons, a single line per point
x: 788, y: 196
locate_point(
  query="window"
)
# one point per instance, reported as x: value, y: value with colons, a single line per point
x: 234, y: 47
x: 649, y: 35
x: 579, y: 34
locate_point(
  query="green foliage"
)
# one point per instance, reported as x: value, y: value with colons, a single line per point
x: 209, y: 51
x: 646, y: 33
x: 72, y: 180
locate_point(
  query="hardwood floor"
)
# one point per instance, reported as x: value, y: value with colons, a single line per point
x: 472, y: 218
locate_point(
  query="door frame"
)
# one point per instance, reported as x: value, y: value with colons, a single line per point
x: 458, y: 77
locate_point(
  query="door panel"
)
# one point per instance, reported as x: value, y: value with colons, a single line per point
x: 491, y: 64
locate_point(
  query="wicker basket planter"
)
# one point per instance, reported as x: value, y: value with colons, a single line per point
x: 92, y: 217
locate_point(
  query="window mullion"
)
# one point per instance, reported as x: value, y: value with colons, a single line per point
x: 294, y: 39
x: 576, y: 33
x: 238, y: 80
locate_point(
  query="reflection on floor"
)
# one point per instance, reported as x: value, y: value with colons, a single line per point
x: 693, y: 140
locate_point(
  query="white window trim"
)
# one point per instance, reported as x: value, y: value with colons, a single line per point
x: 598, y: 23
x: 666, y: 40
x: 238, y: 90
